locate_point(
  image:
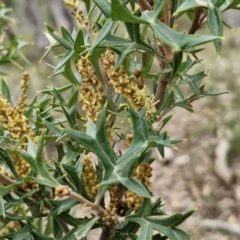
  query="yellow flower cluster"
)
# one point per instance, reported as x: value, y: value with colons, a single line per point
x: 132, y: 88
x: 143, y: 173
x: 132, y: 200
x: 89, y: 177
x: 129, y: 139
x: 22, y: 102
x: 61, y: 191
x: 13, y: 121
x: 78, y: 14
x: 110, y: 217
x: 91, y: 90
x: 71, y: 3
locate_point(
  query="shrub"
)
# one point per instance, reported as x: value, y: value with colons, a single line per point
x: 106, y: 61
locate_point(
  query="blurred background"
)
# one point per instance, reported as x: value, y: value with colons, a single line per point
x: 204, y: 173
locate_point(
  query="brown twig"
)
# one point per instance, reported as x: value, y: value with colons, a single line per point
x: 162, y: 82
x: 6, y: 180
x: 84, y: 201
x: 197, y: 22
x: 166, y: 13
x: 161, y: 89
x: 166, y: 49
x: 144, y: 5
x: 63, y: 190
x: 168, y: 53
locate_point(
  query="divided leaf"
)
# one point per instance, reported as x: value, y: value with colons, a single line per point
x: 215, y: 25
